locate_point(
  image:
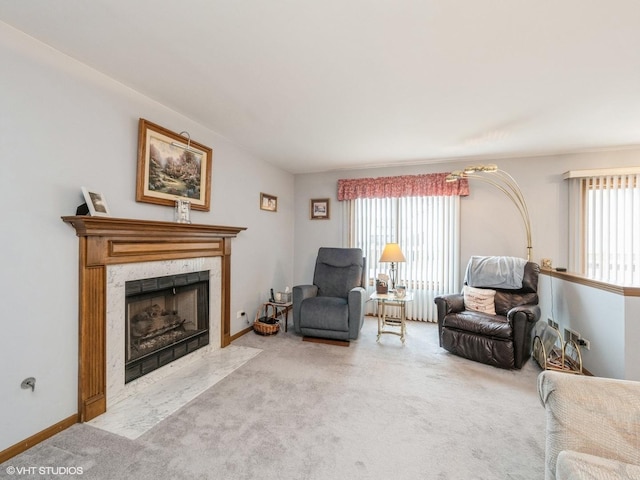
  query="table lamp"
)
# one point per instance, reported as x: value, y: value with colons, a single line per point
x: 392, y: 253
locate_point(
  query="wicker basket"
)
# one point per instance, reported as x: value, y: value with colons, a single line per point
x: 266, y: 322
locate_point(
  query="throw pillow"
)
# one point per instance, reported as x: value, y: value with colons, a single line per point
x: 479, y: 299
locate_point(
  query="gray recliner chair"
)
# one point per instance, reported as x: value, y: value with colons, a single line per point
x: 333, y: 307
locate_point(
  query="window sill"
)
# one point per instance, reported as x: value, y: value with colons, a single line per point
x: 582, y: 280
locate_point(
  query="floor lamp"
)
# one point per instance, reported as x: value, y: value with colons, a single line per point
x: 392, y: 253
x: 504, y: 182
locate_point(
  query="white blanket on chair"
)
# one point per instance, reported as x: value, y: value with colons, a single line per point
x: 495, y: 272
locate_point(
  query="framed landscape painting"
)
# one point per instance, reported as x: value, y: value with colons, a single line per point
x: 171, y: 166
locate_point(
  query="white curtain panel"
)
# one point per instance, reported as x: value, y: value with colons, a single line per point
x: 428, y: 232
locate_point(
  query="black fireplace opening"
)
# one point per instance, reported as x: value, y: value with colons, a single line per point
x: 166, y: 318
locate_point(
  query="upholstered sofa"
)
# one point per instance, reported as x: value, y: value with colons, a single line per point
x: 501, y: 339
x: 333, y: 306
x: 592, y: 427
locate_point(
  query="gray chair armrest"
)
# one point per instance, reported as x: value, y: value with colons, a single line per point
x: 357, y: 299
x: 300, y: 292
x: 593, y: 415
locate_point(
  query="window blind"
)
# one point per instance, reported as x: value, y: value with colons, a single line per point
x: 427, y: 230
x: 605, y: 225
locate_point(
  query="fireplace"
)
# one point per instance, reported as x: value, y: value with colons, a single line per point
x: 112, y: 248
x: 166, y: 319
x: 183, y: 272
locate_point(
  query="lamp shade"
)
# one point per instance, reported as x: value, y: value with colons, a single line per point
x: 392, y: 253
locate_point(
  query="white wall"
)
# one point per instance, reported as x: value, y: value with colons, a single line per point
x: 631, y: 338
x: 64, y: 125
x: 608, y: 320
x: 490, y: 225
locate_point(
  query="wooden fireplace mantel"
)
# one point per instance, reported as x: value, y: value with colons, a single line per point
x: 109, y: 241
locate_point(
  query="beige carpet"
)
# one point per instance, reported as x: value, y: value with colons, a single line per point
x: 302, y: 410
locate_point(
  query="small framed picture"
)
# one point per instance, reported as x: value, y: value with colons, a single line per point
x: 319, y: 209
x: 96, y: 203
x: 268, y: 202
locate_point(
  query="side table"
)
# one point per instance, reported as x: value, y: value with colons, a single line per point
x: 384, y: 300
x: 282, y: 311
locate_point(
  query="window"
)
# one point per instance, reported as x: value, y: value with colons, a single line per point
x: 427, y: 230
x: 605, y: 228
x: 422, y: 214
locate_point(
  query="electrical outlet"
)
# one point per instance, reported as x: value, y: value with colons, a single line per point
x: 575, y: 337
x: 571, y: 335
x: 240, y: 314
x: 552, y: 323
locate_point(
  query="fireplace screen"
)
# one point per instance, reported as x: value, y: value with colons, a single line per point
x: 167, y: 318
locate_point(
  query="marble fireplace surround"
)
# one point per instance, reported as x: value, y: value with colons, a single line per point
x: 117, y: 277
x: 107, y: 241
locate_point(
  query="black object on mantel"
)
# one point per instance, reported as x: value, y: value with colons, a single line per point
x: 561, y: 269
x: 82, y: 209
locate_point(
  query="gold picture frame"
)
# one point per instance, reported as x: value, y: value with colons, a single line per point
x: 171, y: 166
x: 268, y: 202
x: 319, y: 209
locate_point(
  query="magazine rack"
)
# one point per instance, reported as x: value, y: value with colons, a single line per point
x: 552, y: 353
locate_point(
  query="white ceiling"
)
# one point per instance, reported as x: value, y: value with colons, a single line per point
x: 313, y: 85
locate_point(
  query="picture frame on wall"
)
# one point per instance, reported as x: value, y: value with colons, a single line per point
x: 96, y: 203
x: 172, y: 167
x: 268, y: 202
x: 319, y: 209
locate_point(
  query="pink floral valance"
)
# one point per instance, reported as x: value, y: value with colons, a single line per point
x: 431, y: 184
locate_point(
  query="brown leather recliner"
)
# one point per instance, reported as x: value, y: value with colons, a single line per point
x: 503, y: 340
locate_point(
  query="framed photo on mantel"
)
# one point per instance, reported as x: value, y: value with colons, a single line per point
x: 171, y: 166
x: 96, y: 203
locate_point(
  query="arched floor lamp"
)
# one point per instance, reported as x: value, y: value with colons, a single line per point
x: 504, y: 182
